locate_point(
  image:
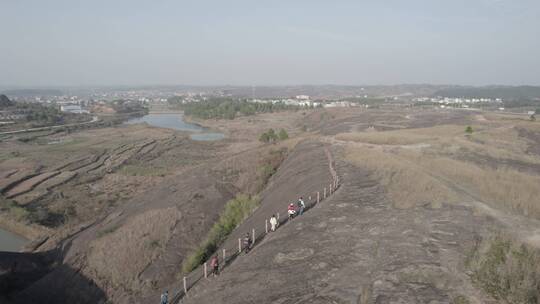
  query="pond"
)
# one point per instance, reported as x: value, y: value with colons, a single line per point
x: 176, y: 122
x: 10, y: 241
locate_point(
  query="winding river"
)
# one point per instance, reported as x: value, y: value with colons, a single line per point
x: 176, y: 122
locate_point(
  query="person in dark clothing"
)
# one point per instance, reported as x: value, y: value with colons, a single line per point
x: 214, y: 263
x: 165, y: 297
x: 247, y: 243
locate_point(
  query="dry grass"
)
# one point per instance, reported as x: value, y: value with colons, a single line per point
x: 121, y: 253
x: 403, y: 137
x: 406, y: 185
x: 385, y: 138
x: 507, y: 188
x: 438, y: 172
x: 507, y: 270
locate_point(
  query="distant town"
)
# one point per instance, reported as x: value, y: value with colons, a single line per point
x: 113, y: 101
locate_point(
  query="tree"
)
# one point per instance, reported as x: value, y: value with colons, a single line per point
x: 269, y: 136
x: 264, y: 138
x: 283, y: 134
x: 272, y: 135
x: 5, y: 102
x: 468, y: 130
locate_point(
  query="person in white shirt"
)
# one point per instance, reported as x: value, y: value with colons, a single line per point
x: 301, y: 206
x: 273, y: 223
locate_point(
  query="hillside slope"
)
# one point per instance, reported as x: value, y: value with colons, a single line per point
x: 305, y: 171
x: 355, y: 248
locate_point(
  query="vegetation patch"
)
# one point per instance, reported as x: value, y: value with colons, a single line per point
x: 460, y: 300
x: 30, y: 215
x: 269, y: 166
x: 15, y: 211
x: 507, y: 270
x: 271, y: 136
x: 228, y: 108
x: 234, y: 213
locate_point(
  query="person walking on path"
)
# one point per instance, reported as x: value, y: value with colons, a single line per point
x: 273, y: 223
x: 214, y: 263
x: 301, y: 206
x: 247, y: 243
x: 291, y: 210
x: 165, y: 297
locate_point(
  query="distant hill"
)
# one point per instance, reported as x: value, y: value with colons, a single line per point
x: 504, y: 92
x: 5, y: 102
x: 32, y: 92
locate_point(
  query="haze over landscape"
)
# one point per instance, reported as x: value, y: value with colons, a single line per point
x: 474, y: 42
x: 281, y: 152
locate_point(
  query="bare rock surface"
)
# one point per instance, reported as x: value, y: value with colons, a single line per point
x: 355, y: 248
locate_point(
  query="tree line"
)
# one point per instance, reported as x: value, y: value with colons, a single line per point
x: 229, y: 108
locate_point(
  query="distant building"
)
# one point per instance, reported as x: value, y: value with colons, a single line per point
x: 340, y: 104
x: 302, y: 97
x: 72, y: 109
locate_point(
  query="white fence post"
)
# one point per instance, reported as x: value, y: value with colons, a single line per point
x: 224, y: 257
x: 324, y: 195
x: 277, y: 217
x: 239, y: 245
x: 253, y: 236
x: 318, y: 197
x: 205, y: 271
x: 185, y: 286
x: 266, y: 226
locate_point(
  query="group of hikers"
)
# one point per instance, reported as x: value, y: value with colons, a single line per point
x: 292, y: 210
x: 298, y: 209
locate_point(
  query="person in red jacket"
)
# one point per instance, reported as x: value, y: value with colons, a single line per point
x: 291, y: 210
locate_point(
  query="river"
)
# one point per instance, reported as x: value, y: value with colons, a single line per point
x: 176, y: 122
x: 10, y: 241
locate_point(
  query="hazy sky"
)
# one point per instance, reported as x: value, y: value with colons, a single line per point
x: 95, y: 42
